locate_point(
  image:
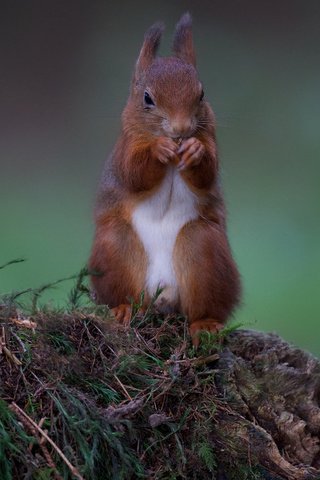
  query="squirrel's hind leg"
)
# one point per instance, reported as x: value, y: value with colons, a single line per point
x: 119, y: 264
x: 207, y: 276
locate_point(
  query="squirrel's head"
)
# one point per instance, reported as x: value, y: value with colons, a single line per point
x: 166, y: 91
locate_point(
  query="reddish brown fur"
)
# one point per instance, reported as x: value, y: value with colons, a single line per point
x: 140, y: 171
x: 203, y: 176
x: 183, y: 42
x: 118, y: 259
x: 207, y: 277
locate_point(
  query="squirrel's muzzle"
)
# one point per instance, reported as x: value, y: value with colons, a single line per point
x: 181, y: 127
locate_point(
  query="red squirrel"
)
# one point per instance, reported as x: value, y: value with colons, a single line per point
x: 160, y: 215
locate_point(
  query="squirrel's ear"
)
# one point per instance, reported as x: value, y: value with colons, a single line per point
x: 149, y: 48
x: 182, y: 40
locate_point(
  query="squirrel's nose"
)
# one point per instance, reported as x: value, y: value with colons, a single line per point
x: 181, y: 127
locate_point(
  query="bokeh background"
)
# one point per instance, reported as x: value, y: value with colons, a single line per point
x: 64, y: 75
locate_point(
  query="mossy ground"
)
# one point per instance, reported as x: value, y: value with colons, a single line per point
x: 81, y: 398
x: 84, y: 398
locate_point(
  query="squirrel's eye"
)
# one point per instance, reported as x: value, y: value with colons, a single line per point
x: 148, y: 100
x: 202, y: 95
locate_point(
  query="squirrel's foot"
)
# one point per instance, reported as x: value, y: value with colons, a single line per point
x: 165, y: 149
x: 123, y: 314
x: 191, y: 151
x: 205, y: 325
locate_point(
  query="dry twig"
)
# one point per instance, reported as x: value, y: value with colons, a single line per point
x: 23, y: 416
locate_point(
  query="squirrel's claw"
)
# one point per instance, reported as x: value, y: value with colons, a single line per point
x: 123, y: 314
x: 191, y: 152
x: 164, y: 149
x: 205, y: 325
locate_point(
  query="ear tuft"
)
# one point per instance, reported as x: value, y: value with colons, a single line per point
x: 153, y: 34
x: 149, y: 47
x: 182, y: 40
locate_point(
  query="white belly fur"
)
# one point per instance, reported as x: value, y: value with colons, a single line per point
x: 158, y: 220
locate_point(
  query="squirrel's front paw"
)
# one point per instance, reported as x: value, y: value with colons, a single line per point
x: 165, y: 149
x: 191, y: 152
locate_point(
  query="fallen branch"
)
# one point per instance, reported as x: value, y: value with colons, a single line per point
x: 25, y: 418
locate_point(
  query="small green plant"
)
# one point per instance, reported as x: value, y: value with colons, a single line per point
x: 45, y: 473
x: 13, y: 441
x: 12, y: 262
x: 206, y: 455
x: 60, y: 343
x: 101, y: 389
x: 79, y: 290
x: 213, y: 342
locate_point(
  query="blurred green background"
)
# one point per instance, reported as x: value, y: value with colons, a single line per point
x: 65, y: 73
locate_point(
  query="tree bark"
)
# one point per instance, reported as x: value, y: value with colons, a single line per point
x: 271, y: 413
